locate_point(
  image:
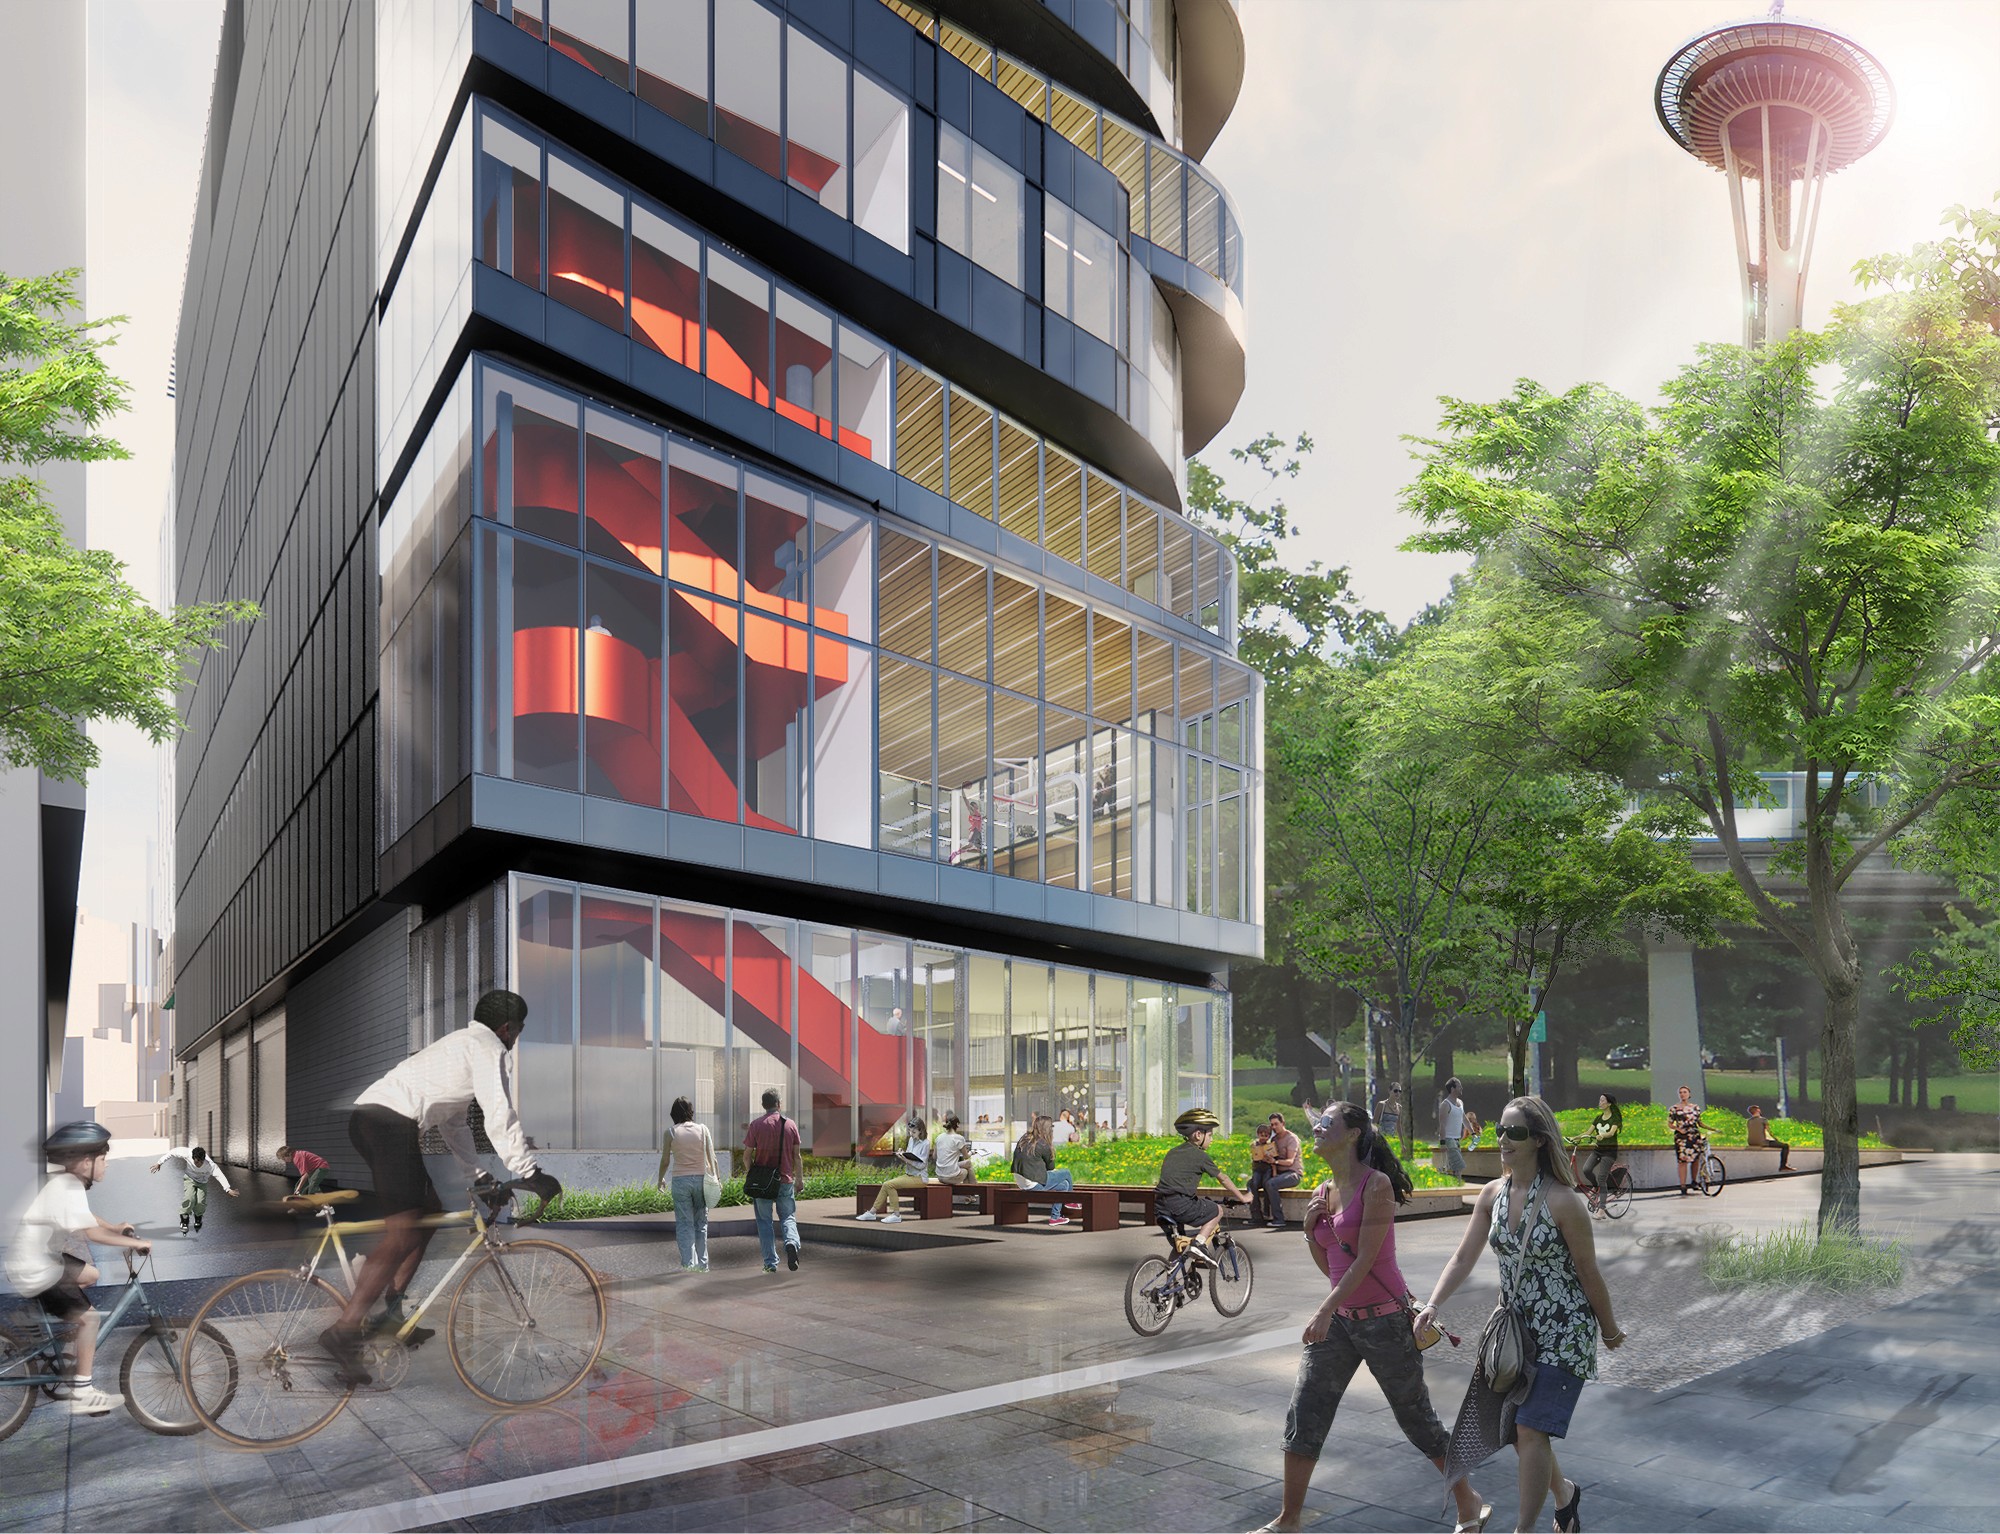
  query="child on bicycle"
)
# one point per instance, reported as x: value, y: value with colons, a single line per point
x: 1178, y: 1195
x: 50, y: 1256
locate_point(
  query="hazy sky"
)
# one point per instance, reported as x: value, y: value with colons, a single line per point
x: 1438, y: 197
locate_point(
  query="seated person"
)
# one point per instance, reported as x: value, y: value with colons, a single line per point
x: 1260, y: 1173
x: 1287, y: 1166
x: 1035, y: 1167
x: 49, y: 1259
x: 1758, y: 1133
x: 1178, y: 1194
x: 952, y: 1153
x: 915, y: 1159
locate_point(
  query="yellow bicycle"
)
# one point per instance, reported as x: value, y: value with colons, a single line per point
x: 525, y: 1326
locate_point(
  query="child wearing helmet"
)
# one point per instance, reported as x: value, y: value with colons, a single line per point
x: 1178, y: 1195
x: 49, y: 1259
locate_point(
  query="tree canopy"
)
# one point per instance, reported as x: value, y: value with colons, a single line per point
x: 77, y: 642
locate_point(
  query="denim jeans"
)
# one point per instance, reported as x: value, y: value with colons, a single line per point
x: 1059, y: 1181
x: 786, y: 1207
x: 691, y: 1220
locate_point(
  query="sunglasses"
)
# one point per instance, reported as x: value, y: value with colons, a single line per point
x: 1514, y: 1131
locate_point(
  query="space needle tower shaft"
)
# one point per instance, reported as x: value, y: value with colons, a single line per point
x: 1777, y: 106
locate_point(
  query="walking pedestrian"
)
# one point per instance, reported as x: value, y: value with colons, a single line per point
x: 1539, y: 1229
x: 1287, y: 1166
x: 1389, y: 1113
x: 199, y: 1168
x: 687, y: 1155
x: 1451, y: 1126
x: 309, y: 1169
x: 773, y: 1143
x: 1684, y: 1118
x: 1365, y: 1318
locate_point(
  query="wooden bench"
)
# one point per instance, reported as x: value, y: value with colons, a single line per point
x: 1145, y: 1198
x: 930, y: 1202
x: 1010, y: 1205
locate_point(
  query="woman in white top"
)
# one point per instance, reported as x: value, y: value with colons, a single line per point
x: 953, y: 1153
x: 916, y: 1157
x: 689, y: 1154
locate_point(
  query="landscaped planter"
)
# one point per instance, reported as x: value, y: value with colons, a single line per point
x: 1652, y: 1166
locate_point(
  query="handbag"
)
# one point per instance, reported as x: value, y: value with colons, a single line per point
x: 1506, y: 1346
x: 711, y: 1189
x: 761, y: 1179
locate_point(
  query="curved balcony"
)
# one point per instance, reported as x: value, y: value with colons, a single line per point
x: 1211, y: 69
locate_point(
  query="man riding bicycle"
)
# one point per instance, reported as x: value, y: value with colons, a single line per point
x: 1178, y: 1195
x: 433, y: 1089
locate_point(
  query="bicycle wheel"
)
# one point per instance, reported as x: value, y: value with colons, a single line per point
x: 1713, y: 1174
x: 20, y: 1360
x: 1149, y: 1297
x: 1617, y: 1192
x: 150, y: 1376
x: 526, y: 1324
x: 284, y: 1388
x: 1229, y: 1285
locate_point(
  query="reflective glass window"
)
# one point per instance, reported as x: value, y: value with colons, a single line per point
x: 1177, y: 568
x: 1204, y: 217
x: 1208, y: 584
x: 509, y: 207
x: 621, y: 468
x: 704, y: 641
x: 622, y: 665
x: 1165, y: 220
x: 980, y: 201
x: 883, y: 1047
x: 702, y: 521
x: 596, y: 33
x: 1080, y: 277
x: 1111, y: 818
x: 1154, y: 681
x: 1024, y: 85
x: 805, y: 364
x: 1017, y: 622
x: 826, y: 1037
x: 671, y: 50
x: 906, y: 801
x: 1014, y: 809
x: 919, y: 427
x: 962, y: 768
x: 816, y: 122
x: 666, y: 288
x: 693, y: 1056
x: 1142, y: 551
x: 775, y: 523
x: 971, y: 463
x: 615, y: 1019
x: 968, y: 50
x: 746, y: 83
x: 493, y: 683
x: 935, y: 974
x: 760, y: 1022
x: 1229, y: 862
x: 544, y: 440
x: 843, y: 739
x: 962, y: 614
x: 546, y: 594
x: 1197, y: 697
x: 906, y: 600
x: 739, y: 327
x: 528, y: 16
x: 881, y: 163
x: 1020, y: 481
x: 1064, y: 651
x: 1074, y: 118
x: 777, y: 682
x: 1066, y: 800
x: 545, y: 972
x: 586, y: 244
x: 864, y: 396
x: 843, y: 570
x: 1233, y: 687
x: 1103, y: 524
x: 1110, y: 667
x: 1062, y: 508
x: 1125, y: 158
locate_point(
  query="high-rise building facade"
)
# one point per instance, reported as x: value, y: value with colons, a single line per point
x: 713, y: 469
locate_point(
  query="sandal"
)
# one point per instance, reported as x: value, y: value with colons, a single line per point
x: 1472, y: 1526
x: 1567, y: 1519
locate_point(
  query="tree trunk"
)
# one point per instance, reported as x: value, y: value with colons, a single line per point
x: 1840, y: 1170
x: 1517, y: 1059
x: 1804, y: 1049
x: 1923, y: 1071
x: 1443, y: 1061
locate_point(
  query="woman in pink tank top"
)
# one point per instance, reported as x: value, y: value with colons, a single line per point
x: 1351, y: 1234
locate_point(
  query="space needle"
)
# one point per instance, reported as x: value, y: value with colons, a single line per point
x: 1777, y: 106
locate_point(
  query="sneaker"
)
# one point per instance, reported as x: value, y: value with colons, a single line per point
x: 690, y: 1267
x: 792, y: 1255
x: 1074, y: 1208
x: 1059, y: 1218
x: 868, y: 1214
x: 1202, y: 1254
x: 886, y: 1219
x: 344, y: 1347
x: 770, y: 1267
x: 703, y: 1268
x: 89, y: 1401
x: 1276, y: 1225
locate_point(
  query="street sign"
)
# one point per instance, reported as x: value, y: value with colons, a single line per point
x: 1539, y: 1034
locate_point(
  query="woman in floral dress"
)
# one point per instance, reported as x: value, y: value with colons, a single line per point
x: 1537, y: 1225
x: 1685, y: 1120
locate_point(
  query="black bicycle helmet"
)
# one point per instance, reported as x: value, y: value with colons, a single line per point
x: 85, y: 1136
x: 1193, y: 1119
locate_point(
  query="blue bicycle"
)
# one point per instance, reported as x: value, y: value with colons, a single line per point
x: 1159, y: 1286
x: 35, y: 1361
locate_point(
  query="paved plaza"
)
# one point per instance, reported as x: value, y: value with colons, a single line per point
x: 988, y: 1380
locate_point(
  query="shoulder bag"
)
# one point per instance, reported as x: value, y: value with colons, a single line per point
x: 762, y: 1179
x: 711, y: 1185
x: 1426, y: 1339
x: 1506, y: 1346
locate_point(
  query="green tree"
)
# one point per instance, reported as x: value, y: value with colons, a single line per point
x: 1790, y: 562
x: 77, y: 642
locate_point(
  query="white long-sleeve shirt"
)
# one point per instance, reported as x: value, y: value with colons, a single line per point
x: 438, y: 1085
x: 200, y: 1172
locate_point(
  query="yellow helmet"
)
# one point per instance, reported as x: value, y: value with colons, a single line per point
x: 1194, y: 1119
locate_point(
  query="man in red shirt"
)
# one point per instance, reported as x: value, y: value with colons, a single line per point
x: 773, y: 1140
x: 304, y: 1165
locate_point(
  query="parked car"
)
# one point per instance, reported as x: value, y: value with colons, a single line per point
x: 1629, y: 1057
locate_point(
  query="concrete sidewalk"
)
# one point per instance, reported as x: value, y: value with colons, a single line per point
x: 995, y: 1384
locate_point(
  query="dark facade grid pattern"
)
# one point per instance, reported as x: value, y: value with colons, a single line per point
x: 275, y: 465
x: 345, y: 1025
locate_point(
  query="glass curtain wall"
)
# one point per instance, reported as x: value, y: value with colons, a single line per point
x: 854, y: 1029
